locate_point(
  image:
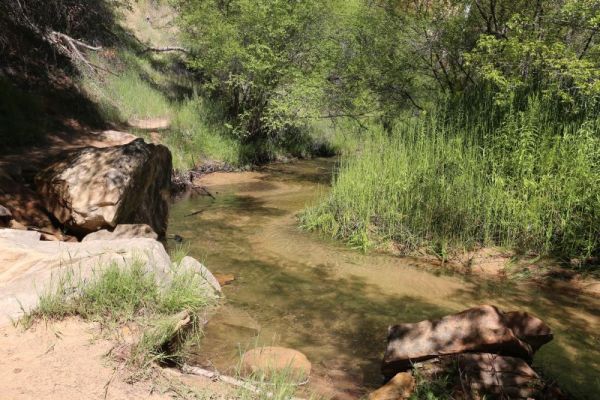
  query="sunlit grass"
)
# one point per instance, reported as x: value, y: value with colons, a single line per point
x: 119, y: 294
x: 138, y: 91
x: 438, y: 183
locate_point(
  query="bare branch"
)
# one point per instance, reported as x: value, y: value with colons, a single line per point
x: 166, y: 49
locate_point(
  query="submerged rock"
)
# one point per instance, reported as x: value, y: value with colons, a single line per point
x: 269, y: 360
x: 224, y: 279
x: 400, y: 387
x: 99, y: 188
x: 479, y: 329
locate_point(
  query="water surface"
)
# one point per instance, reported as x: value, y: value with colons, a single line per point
x: 298, y: 290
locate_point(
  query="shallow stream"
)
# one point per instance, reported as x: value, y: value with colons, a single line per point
x: 295, y: 289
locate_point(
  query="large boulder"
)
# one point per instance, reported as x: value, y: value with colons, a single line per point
x: 99, y: 188
x: 30, y: 267
x: 269, y: 360
x: 479, y: 329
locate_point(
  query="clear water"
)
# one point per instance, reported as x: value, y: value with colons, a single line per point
x: 298, y: 290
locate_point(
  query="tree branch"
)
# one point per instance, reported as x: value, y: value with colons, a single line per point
x: 166, y: 49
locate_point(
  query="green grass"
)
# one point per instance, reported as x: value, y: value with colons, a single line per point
x: 434, y: 389
x: 458, y: 179
x: 118, y: 294
x: 270, y: 385
x: 145, y: 87
x: 199, y: 132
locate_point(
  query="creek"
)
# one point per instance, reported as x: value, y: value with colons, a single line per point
x: 296, y: 289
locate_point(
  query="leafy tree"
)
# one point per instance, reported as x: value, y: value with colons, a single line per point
x: 550, y: 47
x: 266, y: 59
x: 408, y: 51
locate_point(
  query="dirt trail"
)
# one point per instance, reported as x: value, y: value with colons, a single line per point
x: 70, y: 360
x: 63, y: 360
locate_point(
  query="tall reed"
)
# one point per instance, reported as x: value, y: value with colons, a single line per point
x: 468, y: 176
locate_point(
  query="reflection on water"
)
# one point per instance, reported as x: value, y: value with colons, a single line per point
x: 297, y: 290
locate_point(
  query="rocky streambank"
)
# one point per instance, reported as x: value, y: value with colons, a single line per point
x: 115, y: 198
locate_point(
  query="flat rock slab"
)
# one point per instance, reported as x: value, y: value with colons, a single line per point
x: 479, y: 329
x: 30, y: 267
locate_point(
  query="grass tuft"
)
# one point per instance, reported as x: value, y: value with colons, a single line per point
x: 117, y: 294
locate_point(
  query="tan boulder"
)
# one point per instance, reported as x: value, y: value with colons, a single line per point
x: 269, y: 360
x: 479, y: 329
x: 123, y: 231
x: 400, y: 387
x: 99, y: 188
x: 191, y: 264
